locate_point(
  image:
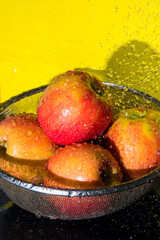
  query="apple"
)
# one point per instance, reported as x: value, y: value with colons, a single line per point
x: 82, y: 166
x: 27, y: 147
x: 75, y: 107
x: 134, y: 140
x: 23, y: 138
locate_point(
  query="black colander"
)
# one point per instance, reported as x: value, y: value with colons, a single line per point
x: 77, y: 204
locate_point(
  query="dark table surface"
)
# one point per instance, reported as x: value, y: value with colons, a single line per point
x: 141, y: 220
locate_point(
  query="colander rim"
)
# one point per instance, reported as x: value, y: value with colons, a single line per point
x: 125, y: 186
x: 150, y: 177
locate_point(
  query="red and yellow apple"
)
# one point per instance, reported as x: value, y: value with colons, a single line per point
x: 27, y: 147
x: 134, y: 140
x: 23, y: 138
x: 82, y: 166
x: 75, y: 107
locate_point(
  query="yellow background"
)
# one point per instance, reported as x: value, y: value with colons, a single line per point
x: 117, y: 40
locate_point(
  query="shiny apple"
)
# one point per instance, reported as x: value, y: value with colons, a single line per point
x: 75, y: 107
x: 25, y: 148
x: 134, y: 140
x: 23, y: 138
x: 82, y: 166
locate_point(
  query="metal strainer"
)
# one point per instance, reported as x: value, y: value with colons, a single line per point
x: 77, y: 204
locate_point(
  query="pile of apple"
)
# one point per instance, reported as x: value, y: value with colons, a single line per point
x: 75, y: 110
x: 77, y: 107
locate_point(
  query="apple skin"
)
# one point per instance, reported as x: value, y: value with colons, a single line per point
x: 75, y: 107
x: 23, y: 138
x: 82, y: 166
x: 134, y: 140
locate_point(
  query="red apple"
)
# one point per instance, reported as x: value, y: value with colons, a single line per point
x: 82, y: 166
x: 24, y: 138
x: 75, y: 107
x: 134, y: 140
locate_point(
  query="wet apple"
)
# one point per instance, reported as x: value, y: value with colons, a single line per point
x: 24, y: 147
x: 23, y: 138
x: 75, y: 107
x: 134, y: 140
x: 82, y: 166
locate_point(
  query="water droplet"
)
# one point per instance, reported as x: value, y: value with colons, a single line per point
x: 79, y: 168
x: 110, y: 75
x: 66, y: 112
x: 36, y: 137
x: 149, y: 166
x: 85, y: 96
x: 50, y: 146
x: 13, y: 123
x: 44, y: 100
x: 29, y: 133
